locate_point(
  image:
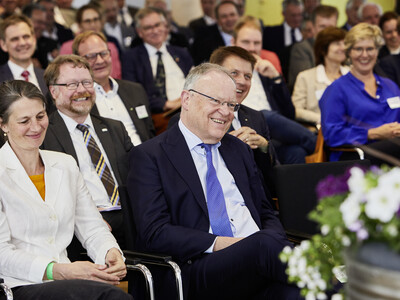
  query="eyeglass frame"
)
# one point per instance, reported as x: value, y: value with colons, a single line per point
x: 102, y: 54
x: 360, y: 50
x: 68, y: 85
x: 232, y: 106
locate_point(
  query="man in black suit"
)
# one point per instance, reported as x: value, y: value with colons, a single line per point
x: 279, y: 38
x: 121, y: 100
x: 72, y: 130
x: 54, y: 30
x: 17, y: 38
x: 207, y: 19
x: 199, y: 198
x: 210, y: 38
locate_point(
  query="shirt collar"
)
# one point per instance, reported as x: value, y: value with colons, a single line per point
x: 191, y: 139
x: 114, y: 87
x: 225, y: 36
x: 18, y: 69
x: 71, y: 123
x: 153, y: 50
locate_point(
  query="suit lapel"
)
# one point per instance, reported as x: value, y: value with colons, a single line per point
x: 52, y: 178
x: 61, y: 134
x: 39, y: 75
x: 176, y: 150
x: 177, y: 59
x: 107, y: 143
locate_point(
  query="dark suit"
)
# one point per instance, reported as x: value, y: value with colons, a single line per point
x: 206, y: 40
x: 278, y: 97
x: 114, y: 139
x: 274, y: 40
x: 5, y: 74
x: 390, y: 65
x: 133, y: 95
x: 44, y: 46
x: 197, y: 24
x: 301, y: 58
x: 265, y: 161
x: 64, y: 34
x: 136, y: 67
x: 171, y: 216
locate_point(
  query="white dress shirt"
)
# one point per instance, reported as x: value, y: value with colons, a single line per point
x: 17, y: 70
x: 34, y: 232
x: 226, y: 37
x: 110, y: 105
x: 288, y: 36
x: 174, y: 77
x: 257, y: 98
x: 241, y: 221
x: 92, y: 180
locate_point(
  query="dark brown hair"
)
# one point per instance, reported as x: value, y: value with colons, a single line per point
x: 324, y: 38
x: 219, y: 55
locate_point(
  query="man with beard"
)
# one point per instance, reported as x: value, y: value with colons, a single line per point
x: 99, y: 145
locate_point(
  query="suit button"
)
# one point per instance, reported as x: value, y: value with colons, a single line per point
x: 189, y: 262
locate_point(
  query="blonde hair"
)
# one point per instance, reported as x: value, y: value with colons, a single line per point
x: 363, y: 31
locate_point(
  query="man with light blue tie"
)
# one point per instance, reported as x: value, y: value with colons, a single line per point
x: 199, y: 198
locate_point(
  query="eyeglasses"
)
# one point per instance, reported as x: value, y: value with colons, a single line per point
x: 151, y: 27
x: 92, y: 57
x: 231, y: 105
x: 360, y: 50
x: 89, y: 21
x: 74, y: 85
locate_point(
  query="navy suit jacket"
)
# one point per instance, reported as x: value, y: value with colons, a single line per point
x: 136, y: 67
x: 273, y: 38
x: 133, y: 95
x: 5, y: 74
x: 390, y: 65
x: 278, y: 96
x: 206, y: 40
x: 168, y: 203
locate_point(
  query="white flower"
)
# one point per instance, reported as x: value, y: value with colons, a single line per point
x: 346, y: 241
x: 310, y: 296
x: 321, y: 296
x: 391, y: 180
x: 287, y: 250
x: 381, y: 204
x: 356, y: 182
x: 392, y: 230
x: 325, y: 229
x: 350, y: 209
x: 305, y: 245
x: 337, y: 297
x: 321, y: 284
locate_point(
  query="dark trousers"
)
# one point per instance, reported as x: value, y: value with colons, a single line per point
x: 69, y: 290
x: 249, y: 269
x: 291, y: 140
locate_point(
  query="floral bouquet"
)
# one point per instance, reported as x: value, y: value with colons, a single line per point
x: 358, y: 207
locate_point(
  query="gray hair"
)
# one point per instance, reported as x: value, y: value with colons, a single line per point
x: 350, y: 3
x: 198, y: 72
x: 365, y: 4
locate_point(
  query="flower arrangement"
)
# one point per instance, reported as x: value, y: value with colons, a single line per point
x: 358, y: 207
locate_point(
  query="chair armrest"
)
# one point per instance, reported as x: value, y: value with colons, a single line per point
x: 147, y: 257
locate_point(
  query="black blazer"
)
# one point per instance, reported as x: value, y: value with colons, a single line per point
x: 111, y: 133
x: 206, y: 40
x: 133, y: 95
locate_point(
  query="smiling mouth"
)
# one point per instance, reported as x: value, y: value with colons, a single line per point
x: 218, y: 121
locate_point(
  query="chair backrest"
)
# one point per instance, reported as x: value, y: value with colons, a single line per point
x: 296, y: 190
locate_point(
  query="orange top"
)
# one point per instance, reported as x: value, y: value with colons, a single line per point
x: 38, y: 181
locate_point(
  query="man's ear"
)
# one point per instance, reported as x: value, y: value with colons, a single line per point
x: 185, y: 99
x: 3, y: 46
x: 53, y: 92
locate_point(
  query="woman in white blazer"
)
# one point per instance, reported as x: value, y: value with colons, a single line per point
x: 43, y: 201
x: 310, y: 84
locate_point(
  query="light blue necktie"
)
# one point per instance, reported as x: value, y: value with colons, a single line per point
x: 219, y: 219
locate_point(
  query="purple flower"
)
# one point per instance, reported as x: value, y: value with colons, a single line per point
x: 362, y: 234
x: 332, y: 185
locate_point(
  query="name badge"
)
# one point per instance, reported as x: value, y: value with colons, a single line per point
x: 393, y: 102
x: 141, y: 112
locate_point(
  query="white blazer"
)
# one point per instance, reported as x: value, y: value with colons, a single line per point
x: 34, y: 232
x: 308, y: 89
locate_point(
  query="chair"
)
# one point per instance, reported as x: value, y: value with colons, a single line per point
x: 322, y: 151
x: 296, y: 191
x: 7, y: 291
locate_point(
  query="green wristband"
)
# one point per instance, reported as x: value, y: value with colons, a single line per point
x: 49, y: 271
